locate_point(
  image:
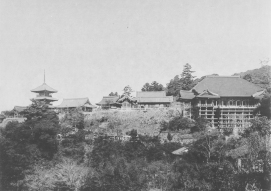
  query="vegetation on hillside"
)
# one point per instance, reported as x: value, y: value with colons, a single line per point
x: 260, y: 76
x: 70, y: 152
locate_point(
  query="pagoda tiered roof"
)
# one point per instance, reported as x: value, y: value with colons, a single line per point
x: 42, y: 98
x: 44, y: 87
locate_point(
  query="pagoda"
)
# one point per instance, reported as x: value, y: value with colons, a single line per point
x: 44, y: 93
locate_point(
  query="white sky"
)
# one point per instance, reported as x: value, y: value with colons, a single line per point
x: 92, y: 47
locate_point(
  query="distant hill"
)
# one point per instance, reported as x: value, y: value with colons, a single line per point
x: 260, y: 76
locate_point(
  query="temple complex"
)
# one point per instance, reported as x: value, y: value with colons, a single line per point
x: 143, y: 100
x: 44, y: 93
x: 226, y: 101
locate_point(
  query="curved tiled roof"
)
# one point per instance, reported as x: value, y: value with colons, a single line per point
x: 19, y: 108
x: 108, y: 100
x: 153, y: 97
x: 226, y: 86
x: 44, y: 87
x: 186, y: 95
x: 75, y: 102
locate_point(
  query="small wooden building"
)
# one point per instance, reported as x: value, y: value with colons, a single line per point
x: 109, y: 102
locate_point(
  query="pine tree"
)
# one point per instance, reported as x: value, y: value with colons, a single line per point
x: 186, y: 77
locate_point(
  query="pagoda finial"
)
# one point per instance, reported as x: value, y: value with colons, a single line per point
x: 44, y: 77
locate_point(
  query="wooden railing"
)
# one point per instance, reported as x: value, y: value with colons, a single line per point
x: 227, y: 106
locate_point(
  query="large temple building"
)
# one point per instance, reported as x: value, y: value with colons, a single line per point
x: 226, y: 101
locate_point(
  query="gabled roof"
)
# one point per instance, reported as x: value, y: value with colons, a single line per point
x: 19, y: 108
x: 44, y: 87
x: 126, y: 98
x: 75, y: 102
x: 186, y: 95
x: 259, y: 94
x: 208, y: 94
x: 108, y: 100
x: 227, y: 86
x: 153, y: 97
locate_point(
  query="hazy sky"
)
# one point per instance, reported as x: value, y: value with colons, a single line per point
x: 92, y: 47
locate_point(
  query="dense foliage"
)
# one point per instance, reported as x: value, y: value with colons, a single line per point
x: 183, y: 82
x: 154, y: 86
x: 114, y: 94
x: 260, y: 76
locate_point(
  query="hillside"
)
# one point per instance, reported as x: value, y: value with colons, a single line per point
x: 260, y: 76
x: 144, y: 122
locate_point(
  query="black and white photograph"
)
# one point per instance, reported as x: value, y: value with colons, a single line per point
x: 135, y: 95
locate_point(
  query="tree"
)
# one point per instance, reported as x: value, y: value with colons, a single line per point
x: 248, y: 77
x: 186, y: 82
x: 24, y: 144
x: 74, y: 117
x: 174, y: 86
x: 113, y: 94
x: 43, y: 124
x: 265, y: 106
x: 154, y: 86
x: 127, y: 91
x: 66, y: 175
x: 186, y: 77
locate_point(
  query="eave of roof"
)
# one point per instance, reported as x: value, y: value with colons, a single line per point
x: 259, y: 94
x: 74, y: 103
x: 186, y: 95
x: 46, y: 98
x: 44, y: 87
x: 167, y: 99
